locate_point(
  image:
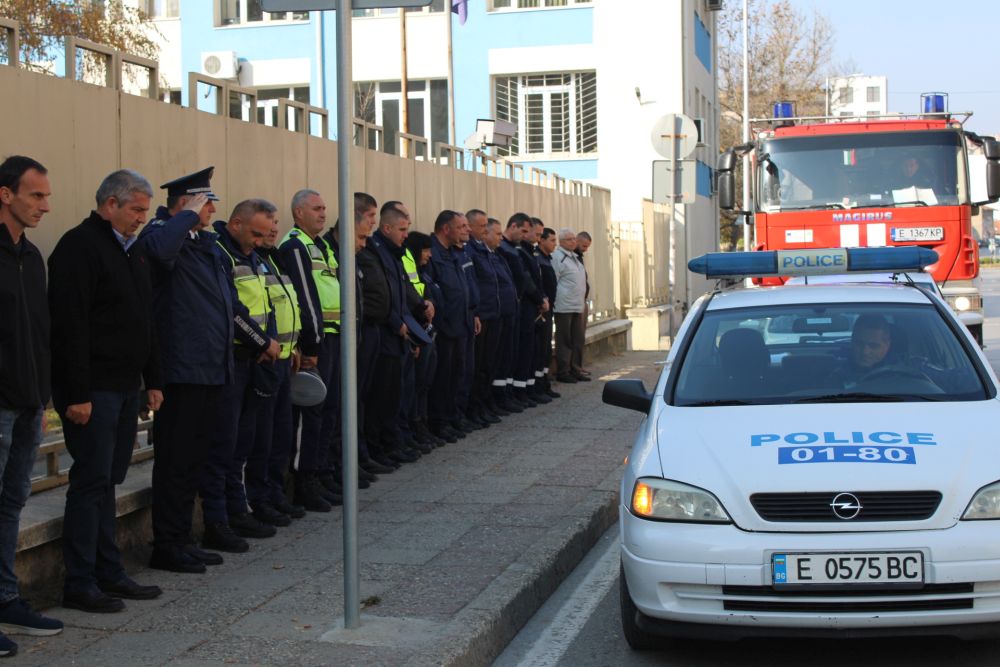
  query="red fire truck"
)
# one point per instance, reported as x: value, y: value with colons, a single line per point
x: 870, y: 182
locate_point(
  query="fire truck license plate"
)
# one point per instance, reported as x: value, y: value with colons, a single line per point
x: 917, y: 233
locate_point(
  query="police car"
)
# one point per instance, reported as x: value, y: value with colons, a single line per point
x: 814, y: 461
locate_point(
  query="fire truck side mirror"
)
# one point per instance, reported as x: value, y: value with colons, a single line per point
x: 727, y: 161
x: 993, y: 180
x: 727, y: 190
x: 991, y: 148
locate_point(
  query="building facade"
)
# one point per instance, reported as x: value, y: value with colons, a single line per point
x: 858, y: 95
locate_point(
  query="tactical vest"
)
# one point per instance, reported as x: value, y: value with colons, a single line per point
x: 410, y: 266
x: 324, y: 275
x: 286, y: 308
x: 251, y: 290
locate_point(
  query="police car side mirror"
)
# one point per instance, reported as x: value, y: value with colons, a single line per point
x: 628, y: 394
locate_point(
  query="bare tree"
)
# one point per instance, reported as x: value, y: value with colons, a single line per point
x: 790, y: 57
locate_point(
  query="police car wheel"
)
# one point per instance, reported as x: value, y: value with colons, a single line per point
x: 638, y: 639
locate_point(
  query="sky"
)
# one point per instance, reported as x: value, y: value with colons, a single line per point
x: 923, y: 47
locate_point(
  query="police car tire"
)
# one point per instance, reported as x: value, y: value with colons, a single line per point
x: 637, y: 638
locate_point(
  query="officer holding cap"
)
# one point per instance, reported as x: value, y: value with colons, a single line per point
x: 193, y: 315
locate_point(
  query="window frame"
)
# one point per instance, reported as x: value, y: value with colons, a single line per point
x: 167, y: 16
x: 266, y: 17
x: 424, y: 95
x: 570, y: 4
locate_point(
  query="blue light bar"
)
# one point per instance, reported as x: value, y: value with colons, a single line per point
x: 812, y: 262
x: 784, y: 109
x: 934, y: 102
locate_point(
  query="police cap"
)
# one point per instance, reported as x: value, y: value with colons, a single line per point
x: 192, y: 184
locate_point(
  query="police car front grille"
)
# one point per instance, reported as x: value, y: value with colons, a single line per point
x: 931, y: 597
x: 875, y: 506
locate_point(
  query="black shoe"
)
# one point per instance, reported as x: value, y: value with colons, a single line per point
x: 385, y: 461
x: 220, y: 537
x: 581, y: 377
x: 460, y: 427
x: 18, y: 618
x: 471, y: 425
x: 497, y: 410
x: 330, y: 482
x: 310, y: 498
x: 176, y: 559
x: 94, y: 602
x: 424, y: 448
x: 566, y: 378
x: 130, y: 590
x: 403, y: 456
x: 526, y: 400
x: 8, y: 647
x: 552, y: 394
x: 444, y: 434
x: 245, y: 524
x: 373, y: 467
x: 489, y: 417
x: 510, y: 407
x: 269, y: 515
x: 202, y: 556
x: 539, y: 397
x: 365, y: 475
x: 312, y: 483
x: 294, y: 511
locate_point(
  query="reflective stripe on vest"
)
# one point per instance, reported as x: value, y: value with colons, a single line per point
x: 410, y: 266
x: 324, y: 275
x: 286, y: 308
x: 251, y: 290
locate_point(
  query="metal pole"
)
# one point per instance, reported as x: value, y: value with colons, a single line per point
x: 404, y: 86
x: 451, y: 87
x: 746, y: 129
x: 348, y: 318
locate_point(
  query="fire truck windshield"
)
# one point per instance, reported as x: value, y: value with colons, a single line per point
x: 869, y: 170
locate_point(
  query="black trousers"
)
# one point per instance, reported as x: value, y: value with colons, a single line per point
x: 524, y: 355
x: 182, y: 435
x: 101, y: 451
x: 543, y: 347
x: 487, y: 362
x: 382, y: 403
x: 442, y: 408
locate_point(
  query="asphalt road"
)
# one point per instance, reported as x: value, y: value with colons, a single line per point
x: 579, y: 626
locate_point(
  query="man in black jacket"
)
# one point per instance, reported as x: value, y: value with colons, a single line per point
x: 24, y: 375
x: 103, y: 348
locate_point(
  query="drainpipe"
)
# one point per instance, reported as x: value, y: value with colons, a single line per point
x: 320, y: 61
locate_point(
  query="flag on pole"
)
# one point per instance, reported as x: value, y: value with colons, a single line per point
x: 460, y: 7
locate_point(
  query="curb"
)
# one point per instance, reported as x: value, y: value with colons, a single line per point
x: 481, y: 631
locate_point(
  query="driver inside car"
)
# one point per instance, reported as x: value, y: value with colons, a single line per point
x: 871, y: 349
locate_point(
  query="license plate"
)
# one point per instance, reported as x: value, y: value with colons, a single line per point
x: 917, y: 233
x: 903, y: 567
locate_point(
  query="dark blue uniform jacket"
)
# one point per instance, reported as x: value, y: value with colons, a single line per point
x: 192, y: 300
x: 487, y: 280
x: 452, y: 316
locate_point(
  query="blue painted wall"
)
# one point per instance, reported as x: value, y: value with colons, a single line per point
x: 499, y: 30
x: 702, y: 43
x: 704, y: 176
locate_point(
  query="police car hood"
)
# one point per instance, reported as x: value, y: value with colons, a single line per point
x: 736, y: 452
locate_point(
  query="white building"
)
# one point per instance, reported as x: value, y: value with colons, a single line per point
x: 858, y: 95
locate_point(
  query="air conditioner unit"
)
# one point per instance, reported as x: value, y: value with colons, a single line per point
x: 220, y: 64
x: 713, y: 5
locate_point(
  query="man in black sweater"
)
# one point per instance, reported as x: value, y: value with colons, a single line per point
x: 24, y: 374
x: 103, y: 349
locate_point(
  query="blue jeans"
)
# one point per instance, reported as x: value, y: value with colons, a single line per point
x: 101, y: 451
x: 20, y: 435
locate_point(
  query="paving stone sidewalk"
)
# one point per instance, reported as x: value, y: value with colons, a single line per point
x: 457, y: 551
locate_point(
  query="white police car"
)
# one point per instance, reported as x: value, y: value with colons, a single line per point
x: 815, y: 461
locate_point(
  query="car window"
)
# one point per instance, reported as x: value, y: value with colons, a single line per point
x: 825, y: 352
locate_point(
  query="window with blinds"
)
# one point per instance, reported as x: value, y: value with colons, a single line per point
x: 555, y: 114
x: 496, y: 5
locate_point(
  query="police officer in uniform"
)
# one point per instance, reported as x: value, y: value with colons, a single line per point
x: 542, y: 391
x: 314, y: 276
x: 273, y: 434
x: 255, y: 348
x: 487, y: 344
x: 193, y: 315
x: 503, y: 378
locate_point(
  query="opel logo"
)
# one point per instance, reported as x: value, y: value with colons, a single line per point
x: 846, y: 506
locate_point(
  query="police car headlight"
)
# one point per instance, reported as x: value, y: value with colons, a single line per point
x: 666, y: 500
x: 985, y: 504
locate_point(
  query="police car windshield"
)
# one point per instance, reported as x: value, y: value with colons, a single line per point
x: 833, y: 353
x: 883, y: 169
